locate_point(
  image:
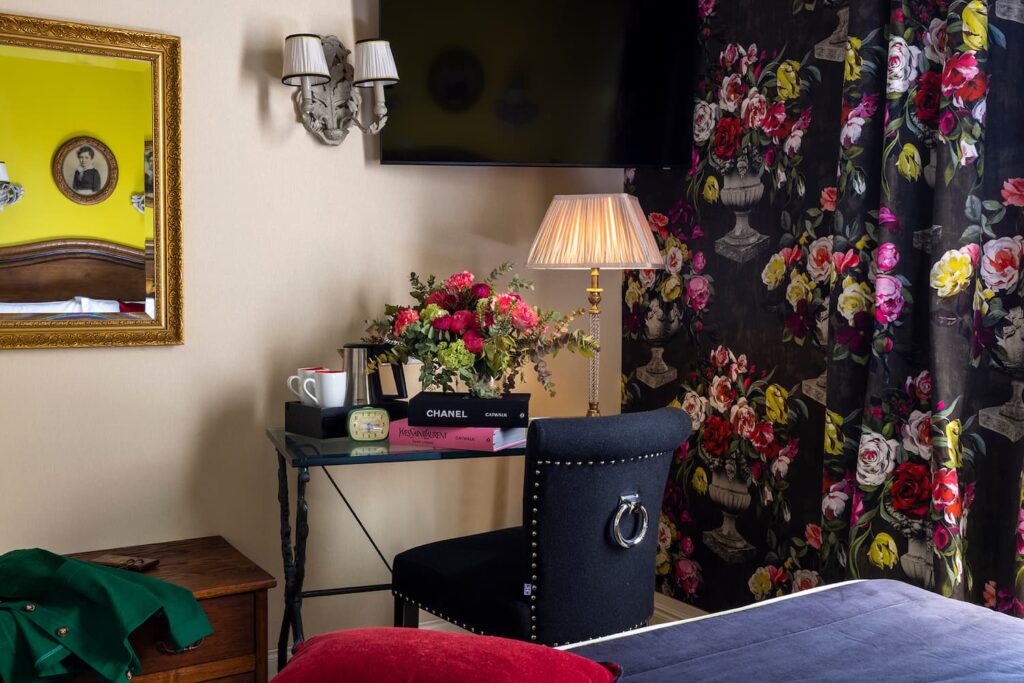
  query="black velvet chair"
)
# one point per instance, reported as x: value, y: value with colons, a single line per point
x: 582, y: 564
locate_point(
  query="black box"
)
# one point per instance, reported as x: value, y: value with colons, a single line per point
x: 439, y: 409
x: 329, y: 423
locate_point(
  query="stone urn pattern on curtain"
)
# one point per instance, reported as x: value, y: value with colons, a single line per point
x: 840, y: 311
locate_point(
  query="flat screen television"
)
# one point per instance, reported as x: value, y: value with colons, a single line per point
x: 540, y: 82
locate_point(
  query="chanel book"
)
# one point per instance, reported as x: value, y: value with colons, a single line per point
x: 489, y: 439
x: 438, y: 409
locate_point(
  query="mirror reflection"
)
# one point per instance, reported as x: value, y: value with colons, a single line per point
x: 77, y: 137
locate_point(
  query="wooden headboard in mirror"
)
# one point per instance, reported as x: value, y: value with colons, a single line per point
x: 95, y: 115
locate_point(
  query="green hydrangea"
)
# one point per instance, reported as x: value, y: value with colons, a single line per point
x: 455, y: 356
x: 432, y: 311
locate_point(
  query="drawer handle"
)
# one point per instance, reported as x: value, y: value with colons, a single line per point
x: 168, y: 650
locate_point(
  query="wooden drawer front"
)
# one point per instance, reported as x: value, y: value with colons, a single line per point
x: 232, y: 619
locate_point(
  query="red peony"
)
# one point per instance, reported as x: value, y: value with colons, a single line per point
x: 1013, y: 192
x: 473, y: 341
x: 911, y: 489
x: 459, y: 281
x: 928, y: 98
x: 404, y: 318
x: 462, y: 321
x: 480, y: 290
x: 773, y: 119
x: 439, y: 298
x: 442, y: 322
x: 960, y: 68
x: 727, y: 137
x: 945, y: 489
x: 716, y: 435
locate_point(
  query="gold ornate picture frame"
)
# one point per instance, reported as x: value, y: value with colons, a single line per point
x: 162, y: 262
x: 63, y: 168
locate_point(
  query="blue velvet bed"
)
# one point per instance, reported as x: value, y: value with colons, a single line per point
x: 858, y: 631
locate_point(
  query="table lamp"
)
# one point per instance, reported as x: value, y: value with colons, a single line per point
x: 594, y: 231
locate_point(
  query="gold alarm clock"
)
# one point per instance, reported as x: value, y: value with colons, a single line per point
x: 368, y: 424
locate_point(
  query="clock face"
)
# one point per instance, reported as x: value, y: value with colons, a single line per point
x: 368, y: 424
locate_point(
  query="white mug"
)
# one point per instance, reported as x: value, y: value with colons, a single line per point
x: 326, y: 388
x: 298, y: 378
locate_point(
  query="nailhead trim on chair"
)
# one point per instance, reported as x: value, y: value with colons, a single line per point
x: 438, y: 614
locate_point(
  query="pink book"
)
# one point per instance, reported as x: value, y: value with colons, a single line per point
x: 456, y: 438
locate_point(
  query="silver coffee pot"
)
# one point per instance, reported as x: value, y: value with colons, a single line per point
x: 364, y: 387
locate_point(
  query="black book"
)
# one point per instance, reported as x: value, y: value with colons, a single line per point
x: 438, y: 409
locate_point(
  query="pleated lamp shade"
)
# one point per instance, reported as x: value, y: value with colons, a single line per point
x: 304, y: 58
x: 4, y: 178
x: 583, y: 231
x: 374, y: 64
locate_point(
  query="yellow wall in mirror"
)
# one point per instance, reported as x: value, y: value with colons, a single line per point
x: 48, y: 97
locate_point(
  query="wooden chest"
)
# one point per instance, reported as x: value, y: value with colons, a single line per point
x: 231, y: 589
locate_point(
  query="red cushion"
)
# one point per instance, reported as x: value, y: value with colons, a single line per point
x: 400, y: 655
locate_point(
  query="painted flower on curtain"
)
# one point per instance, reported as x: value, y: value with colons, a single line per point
x: 800, y: 273
x: 679, y: 295
x: 749, y: 118
x: 979, y: 282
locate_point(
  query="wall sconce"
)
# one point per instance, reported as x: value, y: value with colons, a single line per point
x: 9, y: 192
x: 327, y: 99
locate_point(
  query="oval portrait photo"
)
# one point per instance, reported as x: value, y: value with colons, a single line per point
x: 85, y: 170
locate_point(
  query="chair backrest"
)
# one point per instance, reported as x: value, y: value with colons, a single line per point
x: 579, y: 472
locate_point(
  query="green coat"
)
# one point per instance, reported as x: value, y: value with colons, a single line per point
x: 52, y: 607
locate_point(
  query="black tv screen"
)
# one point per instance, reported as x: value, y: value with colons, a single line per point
x: 540, y: 82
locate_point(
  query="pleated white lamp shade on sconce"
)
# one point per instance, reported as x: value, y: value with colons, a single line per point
x: 586, y: 231
x: 374, y: 64
x: 304, y: 58
x: 4, y: 178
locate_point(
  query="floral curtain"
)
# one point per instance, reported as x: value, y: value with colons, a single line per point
x: 840, y: 311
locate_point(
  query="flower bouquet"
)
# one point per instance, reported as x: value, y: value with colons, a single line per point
x: 474, y: 332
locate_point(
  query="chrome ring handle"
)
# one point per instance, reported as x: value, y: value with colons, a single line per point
x: 631, y: 504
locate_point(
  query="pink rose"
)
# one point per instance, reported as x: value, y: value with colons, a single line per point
x: 920, y: 386
x: 773, y: 119
x: 791, y: 255
x: 698, y: 263
x: 705, y: 8
x: 828, y: 199
x: 686, y: 545
x: 462, y: 321
x: 698, y: 291
x: 887, y: 257
x: 403, y: 319
x: 473, y: 341
x: 812, y: 534
x: 888, y: 298
x: 1020, y: 532
x: 721, y: 356
x: 973, y: 251
x: 1000, y: 264
x: 819, y: 259
x: 1013, y: 192
x: 753, y: 109
x: 688, y: 575
x: 743, y: 418
x: 459, y: 281
x: 480, y: 290
x: 730, y: 55
x: 505, y: 302
x: 887, y: 219
x: 523, y: 317
x: 731, y: 93
x: 947, y: 122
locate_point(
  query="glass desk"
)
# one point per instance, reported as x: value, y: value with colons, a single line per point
x: 306, y: 454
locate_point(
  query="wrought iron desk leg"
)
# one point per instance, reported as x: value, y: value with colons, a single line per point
x: 289, y: 561
x: 301, y: 532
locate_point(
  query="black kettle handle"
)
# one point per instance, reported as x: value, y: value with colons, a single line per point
x: 377, y: 394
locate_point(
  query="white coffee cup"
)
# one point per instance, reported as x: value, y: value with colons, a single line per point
x: 297, y: 379
x: 326, y: 387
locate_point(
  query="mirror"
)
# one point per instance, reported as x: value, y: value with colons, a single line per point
x: 90, y: 246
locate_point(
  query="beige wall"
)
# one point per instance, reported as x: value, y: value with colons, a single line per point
x: 289, y: 246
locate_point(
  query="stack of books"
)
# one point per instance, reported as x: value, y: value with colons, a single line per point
x: 460, y: 422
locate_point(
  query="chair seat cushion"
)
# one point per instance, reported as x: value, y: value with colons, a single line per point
x: 394, y: 655
x: 473, y: 581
